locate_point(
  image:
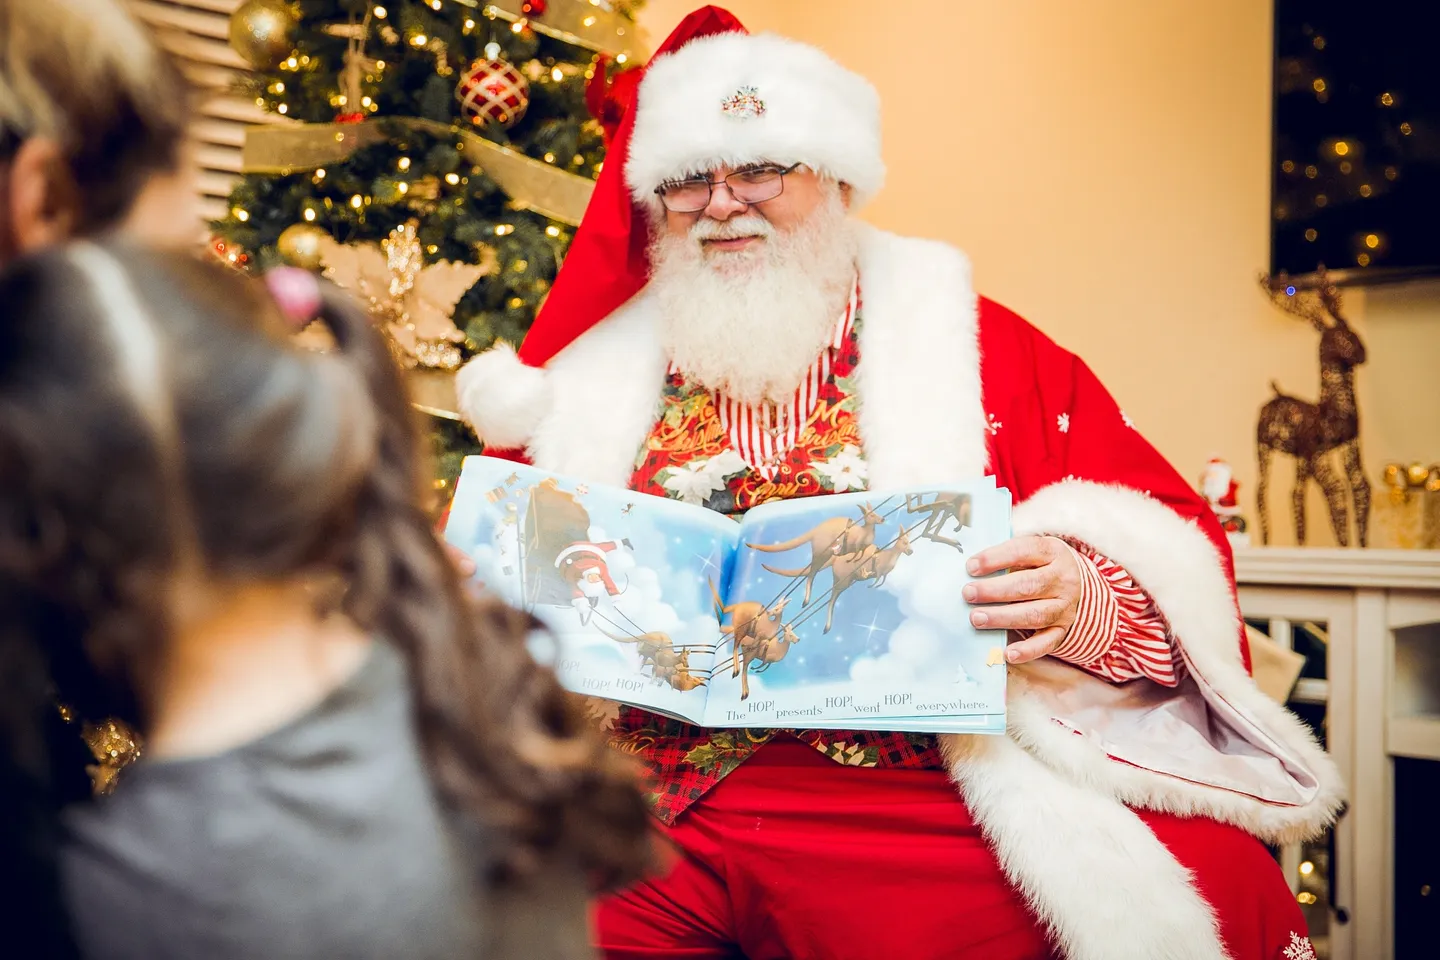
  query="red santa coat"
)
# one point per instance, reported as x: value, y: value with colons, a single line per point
x: 953, y: 386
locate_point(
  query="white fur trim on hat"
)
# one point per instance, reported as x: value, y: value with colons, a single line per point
x: 816, y: 112
x: 503, y: 399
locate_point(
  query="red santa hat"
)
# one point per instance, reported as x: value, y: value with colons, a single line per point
x: 713, y: 95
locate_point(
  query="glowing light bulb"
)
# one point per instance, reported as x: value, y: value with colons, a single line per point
x: 1372, y: 240
x: 1319, y: 85
x: 1307, y: 868
x: 1406, y: 129
x: 1387, y: 100
x: 1341, y: 148
x: 557, y: 74
x: 552, y: 231
x: 309, y: 214
x: 320, y: 174
x: 419, y: 40
x: 240, y: 214
x: 283, y: 108
x: 1311, y: 235
x: 403, y: 187
x: 380, y: 13
x: 403, y: 163
x: 1366, y: 190
x: 452, y: 178
x: 357, y: 201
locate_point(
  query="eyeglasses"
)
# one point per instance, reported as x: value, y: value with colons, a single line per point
x: 750, y: 185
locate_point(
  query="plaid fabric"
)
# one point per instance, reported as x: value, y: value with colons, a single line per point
x: 688, y: 444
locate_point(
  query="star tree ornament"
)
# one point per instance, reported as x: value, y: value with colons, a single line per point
x: 493, y: 90
x: 414, y: 305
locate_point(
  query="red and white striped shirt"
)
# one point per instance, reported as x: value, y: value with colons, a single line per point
x: 762, y: 435
x: 1118, y: 633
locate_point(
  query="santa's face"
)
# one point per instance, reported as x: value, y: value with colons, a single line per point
x: 1216, y: 481
x: 591, y: 585
x: 750, y: 294
x: 801, y: 192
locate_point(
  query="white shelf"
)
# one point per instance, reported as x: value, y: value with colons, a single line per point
x: 1415, y: 737
x: 1338, y: 567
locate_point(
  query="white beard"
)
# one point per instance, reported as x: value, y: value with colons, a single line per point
x: 750, y: 323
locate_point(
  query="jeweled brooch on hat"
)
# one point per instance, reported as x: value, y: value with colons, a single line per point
x: 744, y: 103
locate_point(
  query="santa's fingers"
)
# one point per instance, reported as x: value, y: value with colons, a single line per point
x: 1040, y: 583
x: 1029, y: 615
x: 1040, y: 644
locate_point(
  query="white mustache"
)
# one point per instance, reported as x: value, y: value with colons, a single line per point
x: 736, y: 228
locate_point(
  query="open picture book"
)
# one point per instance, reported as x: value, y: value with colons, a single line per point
x: 841, y: 611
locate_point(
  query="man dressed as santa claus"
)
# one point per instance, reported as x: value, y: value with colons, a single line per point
x: 755, y: 341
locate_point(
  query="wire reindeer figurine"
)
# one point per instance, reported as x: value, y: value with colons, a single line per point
x: 1310, y: 432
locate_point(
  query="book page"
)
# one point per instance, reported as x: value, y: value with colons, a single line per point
x: 620, y: 578
x: 846, y: 611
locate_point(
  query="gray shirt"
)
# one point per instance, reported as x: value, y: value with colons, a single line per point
x: 323, y: 839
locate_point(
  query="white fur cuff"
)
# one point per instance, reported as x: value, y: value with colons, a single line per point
x: 503, y: 399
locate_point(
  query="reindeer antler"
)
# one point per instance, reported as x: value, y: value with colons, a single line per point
x: 1320, y: 304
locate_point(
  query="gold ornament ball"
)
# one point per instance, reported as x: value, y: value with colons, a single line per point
x: 299, y: 244
x: 261, y: 31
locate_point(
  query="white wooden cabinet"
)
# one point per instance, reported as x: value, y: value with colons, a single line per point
x: 1369, y: 623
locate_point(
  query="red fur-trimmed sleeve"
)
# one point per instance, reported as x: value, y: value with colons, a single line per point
x: 1080, y: 470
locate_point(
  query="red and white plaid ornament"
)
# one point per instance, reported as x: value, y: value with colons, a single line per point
x: 493, y: 90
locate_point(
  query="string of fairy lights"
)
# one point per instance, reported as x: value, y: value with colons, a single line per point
x: 1343, y: 171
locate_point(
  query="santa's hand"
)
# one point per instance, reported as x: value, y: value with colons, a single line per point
x: 1040, y: 594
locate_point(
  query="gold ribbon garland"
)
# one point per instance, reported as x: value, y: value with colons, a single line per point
x: 531, y: 184
x: 584, y: 23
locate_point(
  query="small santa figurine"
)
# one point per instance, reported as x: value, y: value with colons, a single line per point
x: 1220, y: 490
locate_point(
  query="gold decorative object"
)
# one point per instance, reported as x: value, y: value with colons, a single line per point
x: 1311, y: 432
x: 594, y: 26
x: 412, y: 302
x: 261, y: 31
x: 299, y: 244
x: 111, y: 743
x: 531, y: 184
x: 1409, y: 515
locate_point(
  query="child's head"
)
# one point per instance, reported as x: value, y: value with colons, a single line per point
x: 162, y: 439
x: 92, y: 111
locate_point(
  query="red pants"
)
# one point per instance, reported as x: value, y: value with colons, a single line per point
x: 795, y: 857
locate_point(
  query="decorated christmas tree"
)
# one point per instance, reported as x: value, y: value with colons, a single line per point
x: 432, y: 156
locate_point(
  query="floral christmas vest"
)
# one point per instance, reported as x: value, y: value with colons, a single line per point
x: 706, y: 450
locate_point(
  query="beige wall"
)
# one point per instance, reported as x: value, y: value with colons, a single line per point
x: 1105, y: 166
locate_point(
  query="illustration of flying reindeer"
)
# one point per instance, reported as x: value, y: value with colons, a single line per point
x: 829, y: 539
x: 1309, y: 432
x: 654, y: 647
x: 758, y: 635
x: 679, y: 675
x: 870, y: 564
x: 945, y: 506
